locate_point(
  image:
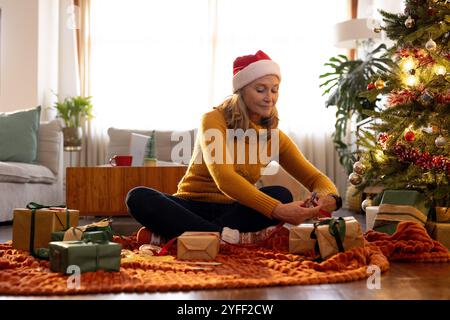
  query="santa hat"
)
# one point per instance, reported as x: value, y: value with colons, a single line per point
x: 249, y: 68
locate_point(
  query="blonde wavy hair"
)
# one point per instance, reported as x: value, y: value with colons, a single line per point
x: 236, y: 115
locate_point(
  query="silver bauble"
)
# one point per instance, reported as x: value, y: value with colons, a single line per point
x: 366, y: 203
x: 440, y: 142
x: 430, y: 45
x: 409, y: 23
x: 359, y: 168
x: 354, y: 179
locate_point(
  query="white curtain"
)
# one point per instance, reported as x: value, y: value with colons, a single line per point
x: 162, y: 64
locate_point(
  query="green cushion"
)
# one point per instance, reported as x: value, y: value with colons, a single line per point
x: 18, y: 135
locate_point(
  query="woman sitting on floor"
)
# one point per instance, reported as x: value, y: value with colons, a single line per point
x: 218, y: 188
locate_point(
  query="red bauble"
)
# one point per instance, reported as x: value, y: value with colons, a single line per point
x: 370, y: 86
x: 409, y: 136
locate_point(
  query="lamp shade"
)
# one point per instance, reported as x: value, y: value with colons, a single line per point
x: 350, y: 32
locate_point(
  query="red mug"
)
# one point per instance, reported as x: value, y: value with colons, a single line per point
x: 121, y: 161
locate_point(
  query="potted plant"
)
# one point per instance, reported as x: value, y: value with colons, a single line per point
x: 74, y: 110
x: 348, y: 79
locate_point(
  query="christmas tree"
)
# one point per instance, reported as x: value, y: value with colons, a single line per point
x: 406, y: 145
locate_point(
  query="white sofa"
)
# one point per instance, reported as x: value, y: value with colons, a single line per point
x: 119, y: 143
x: 21, y: 183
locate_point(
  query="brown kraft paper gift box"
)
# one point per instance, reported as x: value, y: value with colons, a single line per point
x: 46, y: 222
x: 327, y: 243
x: 440, y: 232
x: 300, y: 241
x: 198, y: 245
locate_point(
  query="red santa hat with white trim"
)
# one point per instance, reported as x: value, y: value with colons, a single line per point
x: 251, y: 67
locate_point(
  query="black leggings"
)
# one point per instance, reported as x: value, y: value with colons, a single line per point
x: 169, y: 216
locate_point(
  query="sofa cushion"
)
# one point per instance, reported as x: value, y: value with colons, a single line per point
x: 50, y: 146
x: 18, y: 135
x: 25, y: 173
x: 119, y: 142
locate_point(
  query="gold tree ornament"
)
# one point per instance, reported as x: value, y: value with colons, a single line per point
x: 355, y: 179
x: 440, y: 70
x: 359, y: 168
x: 377, y: 29
x: 379, y: 84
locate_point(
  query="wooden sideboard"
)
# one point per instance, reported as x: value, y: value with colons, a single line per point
x: 101, y: 191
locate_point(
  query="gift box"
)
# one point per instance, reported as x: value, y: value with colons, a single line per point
x: 88, y: 256
x: 345, y: 235
x: 46, y: 221
x: 97, y: 231
x: 410, y: 198
x: 302, y: 239
x: 442, y: 214
x: 440, y: 232
x: 371, y: 214
x: 389, y: 216
x: 94, y: 236
x: 198, y: 245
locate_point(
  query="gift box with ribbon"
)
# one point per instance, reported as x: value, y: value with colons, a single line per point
x: 338, y: 235
x: 86, y: 255
x: 32, y: 226
x: 301, y: 239
x: 100, y: 230
x: 198, y: 245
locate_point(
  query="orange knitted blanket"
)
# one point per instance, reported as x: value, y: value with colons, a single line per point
x: 21, y: 274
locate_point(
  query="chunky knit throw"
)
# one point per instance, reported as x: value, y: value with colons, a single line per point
x: 234, y: 267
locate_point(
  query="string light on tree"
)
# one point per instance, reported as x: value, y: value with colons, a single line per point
x: 440, y: 70
x: 379, y: 155
x: 411, y: 80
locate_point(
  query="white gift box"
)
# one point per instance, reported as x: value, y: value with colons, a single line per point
x: 371, y: 214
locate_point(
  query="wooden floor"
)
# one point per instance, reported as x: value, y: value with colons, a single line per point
x: 417, y: 281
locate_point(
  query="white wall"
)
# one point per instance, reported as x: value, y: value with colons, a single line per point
x: 18, y: 67
x: 369, y: 8
x: 28, y: 53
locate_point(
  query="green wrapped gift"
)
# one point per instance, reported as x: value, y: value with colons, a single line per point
x: 93, y: 236
x: 400, y: 205
x: 411, y: 198
x: 88, y: 256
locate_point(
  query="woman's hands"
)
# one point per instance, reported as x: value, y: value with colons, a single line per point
x: 327, y: 203
x: 294, y: 213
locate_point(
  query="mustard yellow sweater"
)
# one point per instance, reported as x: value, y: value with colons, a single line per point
x: 211, y: 178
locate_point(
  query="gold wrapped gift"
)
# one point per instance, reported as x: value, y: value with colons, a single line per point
x: 198, y: 245
x: 328, y: 245
x: 47, y: 220
x: 440, y: 232
x: 443, y: 214
x: 300, y: 241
